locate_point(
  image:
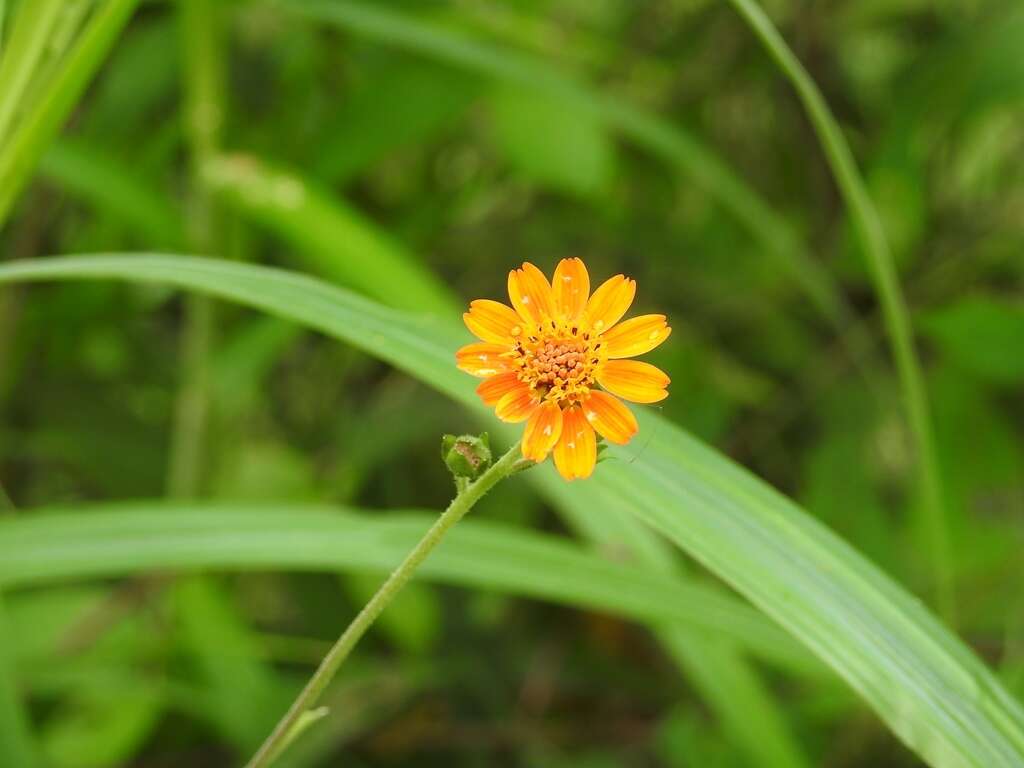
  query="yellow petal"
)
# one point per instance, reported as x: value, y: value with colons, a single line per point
x: 612, y: 420
x: 610, y: 302
x: 571, y: 287
x: 493, y: 389
x: 483, y: 359
x: 576, y: 450
x: 517, y: 405
x: 636, y: 336
x: 633, y: 380
x: 530, y: 293
x: 492, y: 321
x: 542, y: 432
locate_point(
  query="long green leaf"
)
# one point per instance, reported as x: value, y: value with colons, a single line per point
x: 29, y: 37
x: 84, y: 170
x: 873, y: 241
x: 124, y: 539
x: 334, y: 239
x: 925, y: 684
x: 19, y: 155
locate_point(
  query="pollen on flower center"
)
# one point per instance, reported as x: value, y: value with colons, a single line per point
x: 559, y: 364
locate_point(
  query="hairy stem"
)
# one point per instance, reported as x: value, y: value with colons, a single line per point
x: 461, y: 504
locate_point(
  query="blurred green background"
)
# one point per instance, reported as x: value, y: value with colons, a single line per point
x: 416, y: 151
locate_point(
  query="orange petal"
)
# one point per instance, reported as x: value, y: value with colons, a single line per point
x: 610, y: 302
x: 493, y: 389
x: 542, y: 432
x: 576, y: 450
x: 530, y: 293
x: 636, y: 336
x: 612, y: 420
x: 571, y: 287
x: 482, y: 359
x: 492, y: 321
x: 633, y: 380
x: 517, y: 405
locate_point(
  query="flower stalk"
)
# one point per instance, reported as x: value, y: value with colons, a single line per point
x: 467, y: 496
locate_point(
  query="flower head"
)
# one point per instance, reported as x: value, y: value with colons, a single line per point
x: 543, y: 358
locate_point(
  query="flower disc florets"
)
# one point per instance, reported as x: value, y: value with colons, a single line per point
x: 558, y: 361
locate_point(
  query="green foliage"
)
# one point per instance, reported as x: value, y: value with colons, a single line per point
x: 782, y: 560
x: 360, y: 170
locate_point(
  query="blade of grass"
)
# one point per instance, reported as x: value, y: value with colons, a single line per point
x: 19, y: 154
x: 25, y: 49
x: 873, y: 241
x: 125, y: 539
x: 84, y: 170
x: 923, y: 682
x: 334, y: 239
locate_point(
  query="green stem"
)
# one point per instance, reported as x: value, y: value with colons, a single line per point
x: 204, y: 90
x: 883, y: 271
x: 463, y: 502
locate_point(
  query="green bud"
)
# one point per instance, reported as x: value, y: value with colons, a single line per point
x: 467, y: 456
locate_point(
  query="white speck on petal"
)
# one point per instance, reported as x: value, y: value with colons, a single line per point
x: 525, y: 300
x: 547, y: 430
x: 571, y: 444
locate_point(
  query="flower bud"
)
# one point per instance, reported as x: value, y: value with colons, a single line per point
x: 467, y: 456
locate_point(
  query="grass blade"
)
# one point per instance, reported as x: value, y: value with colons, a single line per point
x: 925, y: 684
x: 137, y: 538
x: 333, y: 238
x: 19, y: 155
x: 85, y: 171
x: 873, y: 240
x: 24, y: 51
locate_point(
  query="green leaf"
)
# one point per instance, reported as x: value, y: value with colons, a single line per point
x: 19, y: 153
x: 239, y: 688
x: 981, y: 336
x: 25, y: 49
x: 101, y: 727
x: 86, y: 171
x: 924, y: 683
x: 125, y: 539
x: 333, y: 239
x: 552, y: 143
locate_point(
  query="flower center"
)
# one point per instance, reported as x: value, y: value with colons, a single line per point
x: 558, y: 361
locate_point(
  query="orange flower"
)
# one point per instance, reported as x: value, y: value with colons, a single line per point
x: 542, y: 361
